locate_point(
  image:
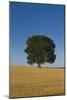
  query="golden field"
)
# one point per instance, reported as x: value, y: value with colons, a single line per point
x: 31, y: 81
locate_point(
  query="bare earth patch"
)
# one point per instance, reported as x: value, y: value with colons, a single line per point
x: 29, y: 81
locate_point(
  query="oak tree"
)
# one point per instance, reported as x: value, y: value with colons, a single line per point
x: 40, y: 50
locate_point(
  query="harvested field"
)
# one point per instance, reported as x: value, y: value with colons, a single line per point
x: 30, y: 81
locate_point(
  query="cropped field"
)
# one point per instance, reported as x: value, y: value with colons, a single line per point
x: 30, y: 81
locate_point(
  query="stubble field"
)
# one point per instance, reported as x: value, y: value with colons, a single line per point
x: 30, y: 81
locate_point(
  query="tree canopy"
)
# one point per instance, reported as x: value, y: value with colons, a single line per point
x: 40, y: 50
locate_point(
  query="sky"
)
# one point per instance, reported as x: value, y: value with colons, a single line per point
x: 28, y: 19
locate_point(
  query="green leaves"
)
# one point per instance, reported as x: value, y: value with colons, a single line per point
x: 40, y: 49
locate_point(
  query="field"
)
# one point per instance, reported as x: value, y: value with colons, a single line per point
x: 30, y: 81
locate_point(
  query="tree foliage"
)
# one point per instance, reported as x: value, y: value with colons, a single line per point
x: 40, y: 49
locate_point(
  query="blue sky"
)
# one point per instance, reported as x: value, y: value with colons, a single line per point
x: 34, y: 19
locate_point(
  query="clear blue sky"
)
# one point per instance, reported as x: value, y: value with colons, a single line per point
x: 32, y: 19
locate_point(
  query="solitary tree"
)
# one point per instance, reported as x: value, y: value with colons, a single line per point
x: 40, y: 49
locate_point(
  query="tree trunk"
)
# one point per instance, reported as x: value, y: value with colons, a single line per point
x: 39, y: 65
